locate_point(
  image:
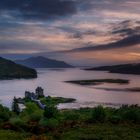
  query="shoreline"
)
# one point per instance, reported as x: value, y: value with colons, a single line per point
x: 92, y: 104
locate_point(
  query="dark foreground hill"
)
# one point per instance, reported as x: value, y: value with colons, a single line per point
x: 124, y: 68
x: 42, y: 62
x: 10, y: 70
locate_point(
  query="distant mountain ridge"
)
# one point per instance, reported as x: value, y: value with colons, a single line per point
x: 11, y: 70
x: 43, y: 62
x: 123, y: 68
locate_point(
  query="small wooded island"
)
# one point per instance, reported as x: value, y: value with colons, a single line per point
x: 11, y: 70
x: 99, y: 81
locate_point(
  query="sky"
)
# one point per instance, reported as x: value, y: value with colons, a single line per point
x: 82, y: 32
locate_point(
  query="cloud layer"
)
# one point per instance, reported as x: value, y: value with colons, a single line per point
x: 102, y: 27
x: 38, y: 9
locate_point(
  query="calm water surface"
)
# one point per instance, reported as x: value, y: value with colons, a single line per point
x: 52, y: 80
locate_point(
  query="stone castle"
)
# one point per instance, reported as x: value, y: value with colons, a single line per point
x: 39, y: 92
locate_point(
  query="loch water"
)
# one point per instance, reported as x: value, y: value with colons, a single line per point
x: 53, y: 83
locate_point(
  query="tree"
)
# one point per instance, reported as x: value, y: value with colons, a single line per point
x: 50, y: 111
x: 4, y: 113
x: 99, y: 114
x: 15, y: 106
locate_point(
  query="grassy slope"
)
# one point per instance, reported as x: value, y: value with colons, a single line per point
x: 11, y: 135
x: 103, y: 132
x: 84, y: 132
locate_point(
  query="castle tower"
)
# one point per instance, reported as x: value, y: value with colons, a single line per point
x: 39, y: 92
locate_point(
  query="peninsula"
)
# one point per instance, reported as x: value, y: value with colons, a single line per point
x: 11, y: 70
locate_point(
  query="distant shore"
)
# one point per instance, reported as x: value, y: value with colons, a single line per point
x: 133, y: 68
